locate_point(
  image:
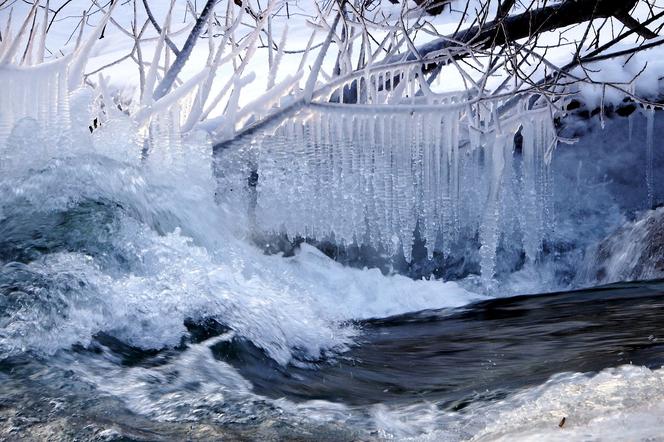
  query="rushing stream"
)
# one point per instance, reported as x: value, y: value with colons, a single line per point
x: 133, y: 306
x: 503, y: 366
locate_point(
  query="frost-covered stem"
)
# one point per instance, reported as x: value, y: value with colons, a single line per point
x: 83, y: 52
x: 311, y: 80
x: 27, y: 54
x: 171, y: 98
x: 151, y: 77
x: 337, y: 71
x: 6, y: 40
x: 306, y: 51
x: 251, y: 48
x: 154, y: 22
x: 210, y: 40
x: 79, y: 38
x: 14, y: 45
x: 141, y: 70
x: 41, y: 52
x: 409, y: 41
x: 172, y: 73
x: 265, y: 101
x: 274, y: 68
x: 228, y: 129
x: 204, y: 90
x: 270, y: 43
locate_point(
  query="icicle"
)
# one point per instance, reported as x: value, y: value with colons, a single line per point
x: 360, y: 202
x: 428, y: 211
x: 372, y: 196
x: 436, y: 184
x: 531, y: 213
x: 650, y: 185
x: 391, y: 216
x: 490, y: 230
x: 404, y: 178
x: 454, y: 193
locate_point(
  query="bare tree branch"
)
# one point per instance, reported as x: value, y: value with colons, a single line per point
x: 634, y: 25
x: 527, y: 24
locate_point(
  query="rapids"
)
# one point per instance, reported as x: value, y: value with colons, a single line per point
x: 135, y: 306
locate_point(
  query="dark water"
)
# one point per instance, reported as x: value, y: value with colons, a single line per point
x: 453, y: 358
x: 479, y: 352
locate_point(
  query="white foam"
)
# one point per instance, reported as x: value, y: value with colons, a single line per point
x: 187, y: 259
x: 622, y: 403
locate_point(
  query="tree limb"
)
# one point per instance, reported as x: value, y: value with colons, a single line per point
x: 530, y: 23
x: 169, y: 42
x: 634, y: 25
x: 504, y: 9
x: 170, y: 76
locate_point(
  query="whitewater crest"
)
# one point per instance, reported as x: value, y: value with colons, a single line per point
x: 97, y: 240
x: 92, y: 244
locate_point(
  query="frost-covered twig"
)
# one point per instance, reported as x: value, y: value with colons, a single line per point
x: 182, y: 57
x: 311, y: 80
x: 13, y: 46
x: 82, y: 53
x: 154, y: 22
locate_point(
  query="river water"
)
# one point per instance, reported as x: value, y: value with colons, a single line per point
x: 135, y: 307
x: 511, y: 367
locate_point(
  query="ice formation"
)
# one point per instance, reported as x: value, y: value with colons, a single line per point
x: 650, y: 184
x: 373, y: 171
x: 39, y: 92
x: 371, y: 159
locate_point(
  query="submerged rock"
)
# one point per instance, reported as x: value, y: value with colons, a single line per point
x: 633, y: 252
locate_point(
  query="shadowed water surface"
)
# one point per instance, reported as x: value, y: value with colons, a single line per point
x: 450, y: 358
x: 479, y: 352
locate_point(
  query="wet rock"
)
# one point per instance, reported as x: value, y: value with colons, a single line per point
x: 634, y: 252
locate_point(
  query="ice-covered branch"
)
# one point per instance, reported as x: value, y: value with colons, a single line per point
x: 313, y: 76
x: 154, y: 22
x: 12, y: 46
x: 82, y: 53
x: 182, y: 57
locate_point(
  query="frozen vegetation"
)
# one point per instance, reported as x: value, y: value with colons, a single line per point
x: 375, y: 156
x: 150, y: 157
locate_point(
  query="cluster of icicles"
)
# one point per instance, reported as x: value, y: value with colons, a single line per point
x: 39, y: 92
x: 373, y: 173
x: 359, y: 175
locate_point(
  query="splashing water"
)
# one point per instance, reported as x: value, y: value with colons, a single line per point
x: 94, y: 244
x: 116, y: 270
